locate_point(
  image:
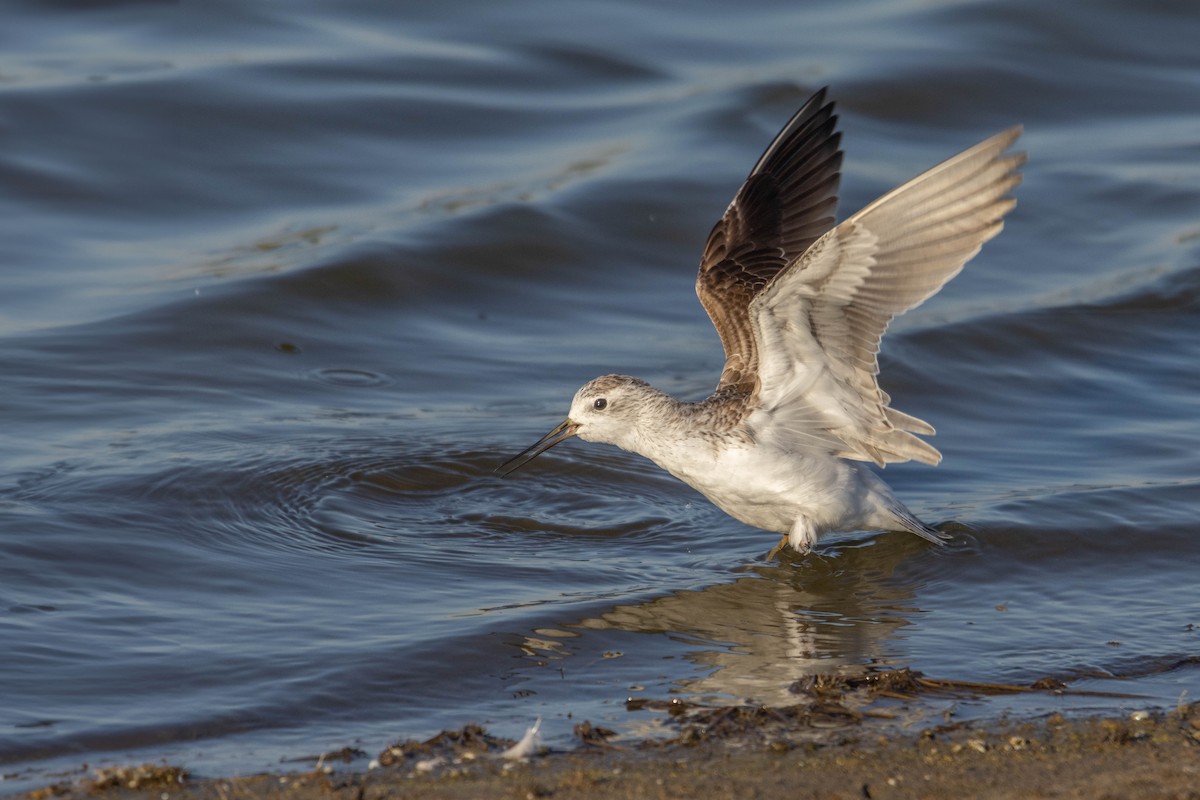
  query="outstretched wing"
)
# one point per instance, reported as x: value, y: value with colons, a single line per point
x: 785, y: 205
x: 819, y: 323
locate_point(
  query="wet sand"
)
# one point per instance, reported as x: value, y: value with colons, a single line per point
x: 739, y: 752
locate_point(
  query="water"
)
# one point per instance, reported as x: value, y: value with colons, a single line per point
x: 281, y: 285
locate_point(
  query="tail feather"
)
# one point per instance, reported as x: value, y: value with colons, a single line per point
x: 910, y: 523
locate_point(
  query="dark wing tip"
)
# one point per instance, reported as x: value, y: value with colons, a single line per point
x: 816, y: 110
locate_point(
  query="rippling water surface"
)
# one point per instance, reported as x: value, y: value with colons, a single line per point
x: 280, y: 284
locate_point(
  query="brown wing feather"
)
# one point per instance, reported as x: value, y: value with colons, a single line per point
x: 787, y: 202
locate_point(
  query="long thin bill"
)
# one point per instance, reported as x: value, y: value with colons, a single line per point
x: 560, y: 434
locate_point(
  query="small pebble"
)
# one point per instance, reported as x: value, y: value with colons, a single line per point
x: 429, y: 764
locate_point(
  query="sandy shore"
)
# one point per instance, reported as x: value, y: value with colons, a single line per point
x: 741, y: 752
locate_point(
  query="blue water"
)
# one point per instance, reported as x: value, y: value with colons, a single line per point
x: 280, y: 285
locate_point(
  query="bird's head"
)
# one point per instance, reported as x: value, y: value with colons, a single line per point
x: 607, y: 409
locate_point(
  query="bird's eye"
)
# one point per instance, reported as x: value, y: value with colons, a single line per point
x: 600, y: 404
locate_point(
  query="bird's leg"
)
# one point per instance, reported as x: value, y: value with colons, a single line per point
x: 775, y: 550
x: 802, y: 536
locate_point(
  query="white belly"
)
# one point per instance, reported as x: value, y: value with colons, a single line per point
x: 770, y: 489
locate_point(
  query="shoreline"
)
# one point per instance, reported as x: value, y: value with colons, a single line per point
x: 737, y: 751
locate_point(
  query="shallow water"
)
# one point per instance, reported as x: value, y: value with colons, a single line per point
x: 280, y: 286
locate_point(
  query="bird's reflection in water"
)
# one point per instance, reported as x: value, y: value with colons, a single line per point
x: 835, y: 613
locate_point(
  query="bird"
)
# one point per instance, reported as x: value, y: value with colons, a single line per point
x: 789, y: 439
